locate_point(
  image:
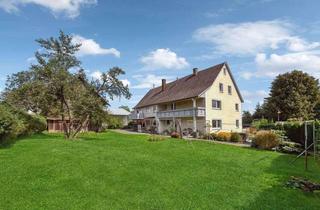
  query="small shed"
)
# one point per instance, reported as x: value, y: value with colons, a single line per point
x: 55, y: 124
x: 121, y: 114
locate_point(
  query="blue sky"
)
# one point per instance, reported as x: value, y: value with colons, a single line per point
x: 158, y: 39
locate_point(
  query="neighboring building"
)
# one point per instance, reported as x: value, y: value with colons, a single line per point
x: 121, y: 114
x: 55, y: 124
x: 204, y: 101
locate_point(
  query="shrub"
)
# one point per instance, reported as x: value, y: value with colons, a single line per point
x: 8, y: 125
x: 263, y: 124
x: 213, y: 136
x: 235, y: 137
x: 294, y: 131
x: 175, y: 134
x: 114, y: 122
x: 265, y: 140
x: 243, y: 136
x: 290, y: 147
x: 223, y: 136
x: 154, y: 138
x: 15, y: 123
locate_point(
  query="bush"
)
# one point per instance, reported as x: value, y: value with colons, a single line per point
x: 290, y: 147
x: 8, y: 125
x: 175, y: 134
x: 294, y: 131
x: 16, y: 123
x: 154, y: 138
x: 223, y: 136
x: 114, y: 122
x: 265, y: 140
x: 263, y: 124
x: 244, y: 136
x: 235, y: 137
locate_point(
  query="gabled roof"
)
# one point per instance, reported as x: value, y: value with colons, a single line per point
x: 118, y: 111
x: 187, y: 87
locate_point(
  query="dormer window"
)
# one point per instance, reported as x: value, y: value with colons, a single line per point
x: 221, y: 87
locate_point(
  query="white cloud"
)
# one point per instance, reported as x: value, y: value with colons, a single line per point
x: 254, y: 94
x: 126, y: 82
x: 253, y: 97
x: 246, y: 75
x: 71, y: 8
x: 149, y: 81
x: 163, y: 59
x: 249, y: 38
x: 31, y: 59
x: 96, y: 75
x: 297, y: 44
x: 91, y: 47
x: 276, y: 64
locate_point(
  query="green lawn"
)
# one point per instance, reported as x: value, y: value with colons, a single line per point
x: 118, y: 171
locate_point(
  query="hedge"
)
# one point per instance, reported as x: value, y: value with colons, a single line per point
x: 294, y: 130
x: 15, y: 123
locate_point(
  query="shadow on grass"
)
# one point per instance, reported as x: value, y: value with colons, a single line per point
x: 277, y: 195
x: 8, y: 143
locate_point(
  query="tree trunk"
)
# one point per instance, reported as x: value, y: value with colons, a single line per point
x: 64, y: 123
x: 62, y: 111
x: 79, y: 128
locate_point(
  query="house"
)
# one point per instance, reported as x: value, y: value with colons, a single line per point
x: 204, y: 101
x: 121, y: 114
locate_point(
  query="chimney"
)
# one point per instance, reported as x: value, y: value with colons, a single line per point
x: 195, y: 71
x: 163, y: 84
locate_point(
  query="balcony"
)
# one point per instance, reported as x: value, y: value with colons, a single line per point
x: 136, y: 116
x: 199, y: 112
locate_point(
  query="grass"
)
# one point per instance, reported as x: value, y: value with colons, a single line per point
x: 119, y: 171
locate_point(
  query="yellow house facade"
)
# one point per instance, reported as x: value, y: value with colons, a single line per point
x: 204, y: 101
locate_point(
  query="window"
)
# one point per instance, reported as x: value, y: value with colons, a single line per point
x: 237, y: 107
x: 221, y: 87
x: 216, y: 124
x: 229, y: 89
x: 168, y: 122
x: 173, y: 106
x: 237, y: 123
x: 216, y: 104
x: 224, y: 71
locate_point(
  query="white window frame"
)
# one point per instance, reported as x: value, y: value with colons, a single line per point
x: 229, y: 89
x: 217, y: 120
x: 237, y: 123
x: 216, y: 100
x: 221, y: 88
x: 236, y: 107
x: 173, y: 106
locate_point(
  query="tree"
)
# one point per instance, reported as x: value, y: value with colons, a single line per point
x: 259, y: 112
x: 51, y: 89
x: 246, y: 118
x: 294, y: 95
x: 125, y: 108
x: 317, y: 111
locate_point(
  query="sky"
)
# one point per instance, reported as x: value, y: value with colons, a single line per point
x: 158, y: 39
